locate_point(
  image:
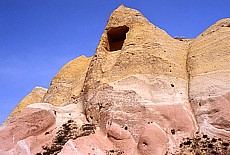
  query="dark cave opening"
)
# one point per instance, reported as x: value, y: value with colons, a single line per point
x: 116, y: 37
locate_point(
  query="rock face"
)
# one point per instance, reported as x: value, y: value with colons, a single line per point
x: 67, y: 84
x: 27, y: 125
x: 35, y: 96
x: 209, y: 84
x: 142, y: 93
x: 138, y: 75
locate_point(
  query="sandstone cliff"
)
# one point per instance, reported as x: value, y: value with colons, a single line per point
x: 142, y: 93
x: 138, y: 76
x: 209, y: 83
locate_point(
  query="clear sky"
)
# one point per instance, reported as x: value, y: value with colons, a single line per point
x: 37, y: 37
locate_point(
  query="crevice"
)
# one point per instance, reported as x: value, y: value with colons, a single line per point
x: 188, y: 86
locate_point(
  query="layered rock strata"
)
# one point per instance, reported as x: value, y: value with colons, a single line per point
x: 209, y: 83
x: 143, y: 90
x: 139, y: 76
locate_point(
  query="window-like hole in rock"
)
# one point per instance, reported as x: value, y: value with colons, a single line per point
x: 116, y: 37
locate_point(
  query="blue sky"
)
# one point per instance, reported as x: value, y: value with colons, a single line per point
x: 37, y: 37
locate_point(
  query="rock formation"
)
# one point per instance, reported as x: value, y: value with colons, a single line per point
x: 142, y: 93
x: 35, y: 96
x: 209, y: 83
x: 67, y: 84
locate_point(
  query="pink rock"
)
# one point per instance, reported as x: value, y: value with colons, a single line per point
x: 121, y: 138
x: 118, y: 133
x: 69, y: 148
x: 30, y: 122
x: 153, y: 140
x: 213, y: 115
x: 21, y: 148
x: 95, y: 144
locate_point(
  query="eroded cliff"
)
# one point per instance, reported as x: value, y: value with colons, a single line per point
x: 141, y: 93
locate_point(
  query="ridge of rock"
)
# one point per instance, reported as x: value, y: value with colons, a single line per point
x: 35, y: 96
x: 68, y: 82
x: 209, y: 83
x: 133, y: 55
x: 142, y: 93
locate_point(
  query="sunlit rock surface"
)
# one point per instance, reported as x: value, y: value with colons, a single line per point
x: 35, y: 96
x: 142, y: 93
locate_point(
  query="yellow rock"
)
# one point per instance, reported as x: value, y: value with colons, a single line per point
x: 210, y: 51
x: 131, y: 45
x: 66, y: 85
x: 68, y: 82
x: 138, y: 70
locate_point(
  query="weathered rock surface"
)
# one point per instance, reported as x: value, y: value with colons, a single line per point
x: 139, y: 78
x: 143, y: 90
x: 29, y: 123
x: 96, y: 144
x: 35, y: 96
x: 68, y: 83
x: 36, y: 126
x: 209, y: 84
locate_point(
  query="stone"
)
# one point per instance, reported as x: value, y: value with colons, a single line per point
x: 36, y: 126
x: 122, y: 139
x: 116, y: 132
x: 153, y: 140
x: 138, y: 75
x: 35, y: 96
x: 142, y: 93
x: 63, y: 113
x: 93, y: 144
x: 30, y: 122
x: 67, y: 84
x: 209, y: 84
